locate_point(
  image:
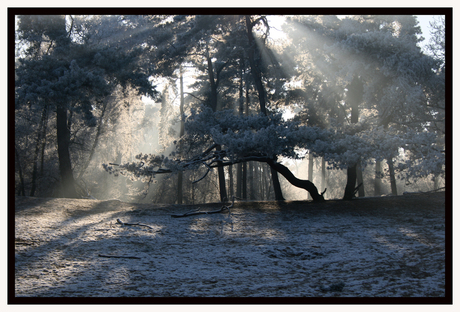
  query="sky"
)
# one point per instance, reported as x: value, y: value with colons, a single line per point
x: 424, y: 22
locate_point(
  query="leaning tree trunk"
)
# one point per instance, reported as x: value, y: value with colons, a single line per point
x: 63, y: 142
x: 304, y: 184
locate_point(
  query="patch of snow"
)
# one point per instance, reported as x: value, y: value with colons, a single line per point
x: 260, y: 251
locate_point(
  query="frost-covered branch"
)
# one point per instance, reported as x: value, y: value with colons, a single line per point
x: 233, y: 139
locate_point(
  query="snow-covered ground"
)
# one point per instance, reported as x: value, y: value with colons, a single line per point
x: 375, y: 247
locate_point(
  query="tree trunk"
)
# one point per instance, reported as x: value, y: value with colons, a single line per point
x: 63, y: 142
x: 394, y: 190
x: 239, y: 167
x: 239, y: 180
x: 244, y: 173
x: 220, y: 171
x: 181, y: 134
x: 250, y: 177
x: 35, y: 165
x: 21, y: 177
x: 213, y: 103
x: 310, y: 169
x: 41, y: 133
x: 359, y: 177
x: 255, y: 181
x: 256, y: 74
x: 323, y: 173
x: 354, y: 98
x: 351, y: 182
x: 239, y: 170
x: 305, y: 184
x: 276, y: 185
x: 212, y: 81
x: 42, y: 154
x: 230, y: 177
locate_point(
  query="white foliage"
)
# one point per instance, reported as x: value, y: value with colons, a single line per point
x: 342, y: 147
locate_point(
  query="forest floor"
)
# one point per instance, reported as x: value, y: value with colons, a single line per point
x: 369, y: 247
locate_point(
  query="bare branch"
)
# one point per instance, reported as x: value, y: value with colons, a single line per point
x: 196, y: 181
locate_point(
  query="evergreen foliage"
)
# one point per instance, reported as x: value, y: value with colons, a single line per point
x: 361, y: 90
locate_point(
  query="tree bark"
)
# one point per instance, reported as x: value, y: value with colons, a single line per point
x: 250, y: 178
x: 351, y: 182
x: 239, y: 167
x: 35, y: 165
x: 181, y: 134
x: 276, y: 185
x: 310, y: 168
x: 394, y: 190
x: 42, y: 154
x: 354, y: 98
x: 63, y: 142
x: 230, y: 178
x: 323, y: 173
x: 212, y: 81
x: 256, y: 74
x: 41, y: 133
x: 21, y: 177
x: 359, y: 178
x: 221, y: 174
x: 304, y: 184
x: 213, y: 102
x: 244, y: 173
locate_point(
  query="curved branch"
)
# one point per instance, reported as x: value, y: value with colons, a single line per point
x: 305, y: 184
x: 218, y: 157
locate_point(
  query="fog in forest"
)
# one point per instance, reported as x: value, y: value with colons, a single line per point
x: 119, y: 120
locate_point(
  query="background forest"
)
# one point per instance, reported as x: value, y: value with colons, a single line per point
x: 353, y: 104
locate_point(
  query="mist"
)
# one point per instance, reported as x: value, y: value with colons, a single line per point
x: 133, y: 98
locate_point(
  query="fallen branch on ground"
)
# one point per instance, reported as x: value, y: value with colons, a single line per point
x: 138, y: 224
x: 127, y: 257
x: 197, y: 212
